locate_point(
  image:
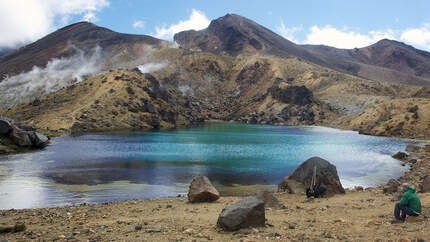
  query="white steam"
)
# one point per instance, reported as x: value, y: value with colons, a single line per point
x: 152, y: 67
x: 186, y: 90
x: 58, y: 73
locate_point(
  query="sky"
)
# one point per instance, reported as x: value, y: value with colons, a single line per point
x: 338, y: 23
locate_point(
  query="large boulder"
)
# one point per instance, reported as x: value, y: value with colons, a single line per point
x: 6, y: 126
x: 201, y: 190
x: 38, y: 140
x: 425, y: 184
x: 21, y: 135
x: 249, y: 212
x: 300, y: 179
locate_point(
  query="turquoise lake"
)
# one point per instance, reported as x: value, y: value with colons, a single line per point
x: 131, y: 165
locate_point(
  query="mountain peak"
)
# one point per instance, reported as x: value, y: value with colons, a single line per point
x: 235, y: 35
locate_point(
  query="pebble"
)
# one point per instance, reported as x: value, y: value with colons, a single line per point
x: 188, y: 231
x: 138, y: 227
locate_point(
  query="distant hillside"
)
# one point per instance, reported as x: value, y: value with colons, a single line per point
x: 4, y: 51
x: 61, y: 43
x: 397, y: 61
x: 386, y: 60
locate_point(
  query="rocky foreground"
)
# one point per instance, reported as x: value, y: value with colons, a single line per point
x: 358, y: 215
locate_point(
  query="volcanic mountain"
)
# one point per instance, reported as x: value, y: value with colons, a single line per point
x: 235, y: 70
x: 386, y: 60
x: 65, y: 42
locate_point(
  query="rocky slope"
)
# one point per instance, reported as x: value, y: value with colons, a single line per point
x: 235, y: 70
x: 384, y: 61
x: 408, y: 117
x: 203, y: 86
x: 67, y: 41
x: 116, y: 100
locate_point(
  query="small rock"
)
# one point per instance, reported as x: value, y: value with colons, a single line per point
x: 339, y: 220
x: 358, y: 188
x: 400, y: 155
x: 138, y: 227
x: 188, y: 231
x: 270, y: 201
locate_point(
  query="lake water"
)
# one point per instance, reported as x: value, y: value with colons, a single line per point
x: 127, y: 165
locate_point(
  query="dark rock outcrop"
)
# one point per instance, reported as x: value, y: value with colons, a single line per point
x: 6, y: 126
x: 300, y: 179
x: 400, y: 155
x: 16, y: 136
x: 249, y: 212
x: 286, y: 93
x: 201, y: 190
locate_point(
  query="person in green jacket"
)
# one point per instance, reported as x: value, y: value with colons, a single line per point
x: 409, y: 204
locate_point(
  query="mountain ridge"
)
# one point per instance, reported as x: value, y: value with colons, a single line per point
x: 60, y: 43
x: 235, y: 35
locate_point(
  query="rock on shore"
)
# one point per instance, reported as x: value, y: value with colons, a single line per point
x: 300, y: 179
x: 245, y: 213
x: 15, y: 137
x: 201, y: 190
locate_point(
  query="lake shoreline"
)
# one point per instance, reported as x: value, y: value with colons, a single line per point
x: 357, y: 215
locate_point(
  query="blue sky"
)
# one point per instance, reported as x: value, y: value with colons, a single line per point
x: 343, y: 24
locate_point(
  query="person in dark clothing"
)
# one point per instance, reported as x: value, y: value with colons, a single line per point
x: 409, y: 204
x: 316, y: 191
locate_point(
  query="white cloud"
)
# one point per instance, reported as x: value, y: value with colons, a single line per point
x: 288, y: 33
x: 196, y: 21
x: 138, y: 24
x: 418, y: 36
x: 331, y: 36
x: 24, y: 21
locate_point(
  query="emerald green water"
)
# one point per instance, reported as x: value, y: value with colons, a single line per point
x: 124, y: 165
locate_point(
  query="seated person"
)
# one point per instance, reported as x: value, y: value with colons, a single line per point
x: 409, y: 204
x: 316, y: 191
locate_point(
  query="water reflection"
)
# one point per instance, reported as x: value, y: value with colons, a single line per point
x: 115, y: 166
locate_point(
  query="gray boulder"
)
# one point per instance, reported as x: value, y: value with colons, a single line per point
x: 38, y: 140
x: 249, y: 212
x: 301, y: 178
x: 6, y: 126
x: 21, y: 137
x: 201, y: 190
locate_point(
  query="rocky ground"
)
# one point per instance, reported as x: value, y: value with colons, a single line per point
x: 358, y: 215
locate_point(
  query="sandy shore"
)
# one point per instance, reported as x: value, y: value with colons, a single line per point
x: 356, y: 216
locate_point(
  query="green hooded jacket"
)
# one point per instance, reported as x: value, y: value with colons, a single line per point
x: 411, y: 200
